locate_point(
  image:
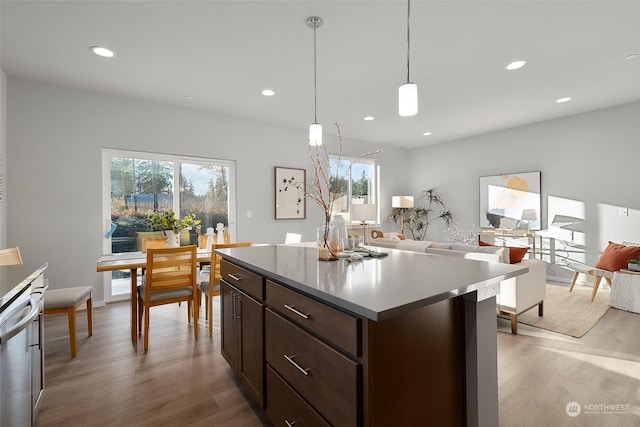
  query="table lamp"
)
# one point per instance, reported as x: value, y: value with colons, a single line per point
x: 529, y: 215
x: 402, y: 203
x: 363, y: 213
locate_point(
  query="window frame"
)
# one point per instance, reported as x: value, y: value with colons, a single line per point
x: 374, y: 190
x: 109, y: 153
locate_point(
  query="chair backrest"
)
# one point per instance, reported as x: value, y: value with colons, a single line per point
x: 141, y: 235
x: 10, y: 256
x: 170, y: 268
x: 153, y: 243
x: 293, y: 238
x: 214, y: 275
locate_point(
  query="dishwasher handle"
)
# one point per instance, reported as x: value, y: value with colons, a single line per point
x: 34, y: 302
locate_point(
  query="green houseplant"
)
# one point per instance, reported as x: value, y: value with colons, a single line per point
x: 417, y: 219
x: 632, y: 264
x: 171, y: 225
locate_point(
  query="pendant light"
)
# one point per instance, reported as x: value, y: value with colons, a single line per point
x: 408, y: 92
x: 315, y: 129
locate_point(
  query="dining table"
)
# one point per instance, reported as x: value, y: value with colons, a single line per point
x: 132, y: 261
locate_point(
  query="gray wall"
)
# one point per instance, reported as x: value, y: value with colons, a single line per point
x: 55, y: 137
x: 3, y: 157
x: 591, y: 158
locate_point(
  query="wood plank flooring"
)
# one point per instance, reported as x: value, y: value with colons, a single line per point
x: 183, y: 382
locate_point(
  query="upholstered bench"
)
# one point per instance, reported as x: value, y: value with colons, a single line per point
x: 67, y: 300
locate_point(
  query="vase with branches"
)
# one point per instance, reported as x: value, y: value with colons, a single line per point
x: 417, y: 219
x: 323, y: 189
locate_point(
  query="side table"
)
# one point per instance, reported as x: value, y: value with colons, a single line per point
x: 625, y: 291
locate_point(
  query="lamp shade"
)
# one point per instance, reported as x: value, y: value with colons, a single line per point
x: 364, y: 212
x: 529, y: 215
x: 408, y: 99
x: 402, y: 202
x: 315, y: 134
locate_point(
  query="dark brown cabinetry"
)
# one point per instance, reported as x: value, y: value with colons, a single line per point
x: 243, y: 329
x: 318, y: 365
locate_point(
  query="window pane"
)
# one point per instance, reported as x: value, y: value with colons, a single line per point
x: 355, y: 183
x: 204, y: 192
x: 138, y: 187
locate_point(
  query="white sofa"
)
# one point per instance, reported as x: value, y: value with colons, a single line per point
x: 517, y: 295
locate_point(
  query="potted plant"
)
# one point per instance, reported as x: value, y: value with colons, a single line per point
x: 632, y: 265
x: 417, y: 219
x: 171, y: 225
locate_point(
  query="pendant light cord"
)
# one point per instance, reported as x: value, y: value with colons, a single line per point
x: 315, y: 84
x: 408, y: 37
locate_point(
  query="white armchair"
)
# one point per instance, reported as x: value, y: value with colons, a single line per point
x: 524, y: 292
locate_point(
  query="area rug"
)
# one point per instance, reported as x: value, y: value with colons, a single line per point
x: 568, y: 313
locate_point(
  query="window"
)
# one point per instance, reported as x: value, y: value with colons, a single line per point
x: 136, y: 184
x: 356, y: 183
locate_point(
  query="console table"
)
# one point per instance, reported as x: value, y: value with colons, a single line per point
x: 408, y: 339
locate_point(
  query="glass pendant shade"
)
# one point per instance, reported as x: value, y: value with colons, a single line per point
x: 315, y: 134
x: 408, y: 99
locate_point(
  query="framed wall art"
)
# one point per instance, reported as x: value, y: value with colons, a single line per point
x: 510, y: 201
x: 290, y: 202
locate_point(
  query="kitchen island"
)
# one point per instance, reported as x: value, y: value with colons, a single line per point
x: 408, y: 339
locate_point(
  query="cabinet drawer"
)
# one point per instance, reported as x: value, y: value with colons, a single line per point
x: 286, y: 407
x: 337, y: 327
x: 324, y: 377
x: 248, y: 282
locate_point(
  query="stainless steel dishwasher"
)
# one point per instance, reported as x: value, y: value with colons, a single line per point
x: 22, y: 353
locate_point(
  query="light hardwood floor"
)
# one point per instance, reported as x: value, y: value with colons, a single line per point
x: 182, y: 382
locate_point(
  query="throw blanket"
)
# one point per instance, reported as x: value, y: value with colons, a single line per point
x: 413, y: 245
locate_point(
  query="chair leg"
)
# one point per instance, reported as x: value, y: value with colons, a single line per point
x: 71, y: 316
x: 189, y: 311
x: 596, y: 284
x: 573, y: 280
x: 541, y: 309
x: 195, y: 318
x: 514, y: 324
x: 89, y: 316
x: 210, y: 313
x: 146, y: 330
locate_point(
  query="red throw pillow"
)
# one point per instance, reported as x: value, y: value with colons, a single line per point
x: 615, y: 256
x: 401, y: 236
x: 515, y: 253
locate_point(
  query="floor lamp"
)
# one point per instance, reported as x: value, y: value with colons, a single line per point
x: 363, y: 213
x: 402, y: 203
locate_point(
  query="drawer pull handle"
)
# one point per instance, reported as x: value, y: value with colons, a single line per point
x: 299, y: 313
x: 300, y: 368
x: 290, y: 424
x: 234, y: 277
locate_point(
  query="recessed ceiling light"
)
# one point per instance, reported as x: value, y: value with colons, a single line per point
x: 561, y: 100
x: 426, y: 133
x: 516, y: 64
x: 268, y: 92
x: 188, y: 97
x: 369, y: 118
x: 102, y: 51
x: 632, y: 56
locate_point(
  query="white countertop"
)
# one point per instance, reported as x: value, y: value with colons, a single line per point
x: 375, y: 288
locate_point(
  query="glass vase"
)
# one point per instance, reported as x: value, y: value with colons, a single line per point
x: 328, y: 242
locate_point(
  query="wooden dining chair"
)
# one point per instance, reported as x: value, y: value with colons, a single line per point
x: 211, y: 286
x: 10, y: 256
x: 171, y: 277
x: 153, y: 243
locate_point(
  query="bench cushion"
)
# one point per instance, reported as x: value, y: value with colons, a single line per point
x: 65, y: 298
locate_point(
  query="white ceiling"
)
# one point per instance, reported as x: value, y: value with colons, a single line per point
x: 223, y: 53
